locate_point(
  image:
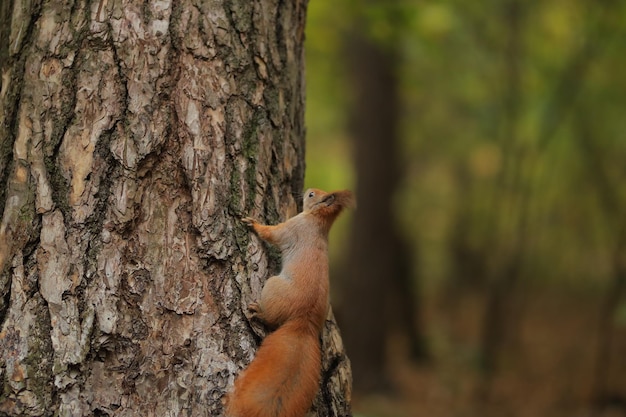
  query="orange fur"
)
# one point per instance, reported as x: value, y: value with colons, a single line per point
x: 284, y: 377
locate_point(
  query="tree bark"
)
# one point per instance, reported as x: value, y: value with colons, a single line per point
x: 133, y: 136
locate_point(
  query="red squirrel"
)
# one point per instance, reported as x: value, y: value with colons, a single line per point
x: 283, y: 378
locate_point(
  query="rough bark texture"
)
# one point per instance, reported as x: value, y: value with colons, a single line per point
x: 133, y: 136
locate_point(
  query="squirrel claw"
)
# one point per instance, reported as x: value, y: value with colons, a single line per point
x: 254, y: 311
x: 254, y: 308
x: 248, y: 221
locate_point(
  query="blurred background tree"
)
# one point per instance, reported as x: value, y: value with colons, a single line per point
x: 484, y: 272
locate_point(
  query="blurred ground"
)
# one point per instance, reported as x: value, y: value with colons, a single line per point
x: 547, y: 370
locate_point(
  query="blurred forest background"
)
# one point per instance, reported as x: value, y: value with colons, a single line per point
x: 484, y: 271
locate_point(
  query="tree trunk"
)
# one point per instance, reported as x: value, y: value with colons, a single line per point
x: 511, y: 197
x: 599, y: 169
x: 378, y: 273
x: 133, y: 136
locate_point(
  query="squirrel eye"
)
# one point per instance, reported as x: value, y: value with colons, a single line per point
x: 311, y: 194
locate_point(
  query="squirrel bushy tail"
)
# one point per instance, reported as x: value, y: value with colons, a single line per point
x: 283, y: 378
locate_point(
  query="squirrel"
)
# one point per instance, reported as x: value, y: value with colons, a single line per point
x: 284, y: 377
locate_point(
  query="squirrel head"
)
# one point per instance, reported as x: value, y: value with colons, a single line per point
x: 325, y: 205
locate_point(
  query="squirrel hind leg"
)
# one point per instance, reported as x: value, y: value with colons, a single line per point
x: 276, y: 302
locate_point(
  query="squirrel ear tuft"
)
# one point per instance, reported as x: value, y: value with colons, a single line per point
x: 345, y: 198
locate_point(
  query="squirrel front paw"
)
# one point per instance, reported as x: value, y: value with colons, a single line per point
x: 248, y: 221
